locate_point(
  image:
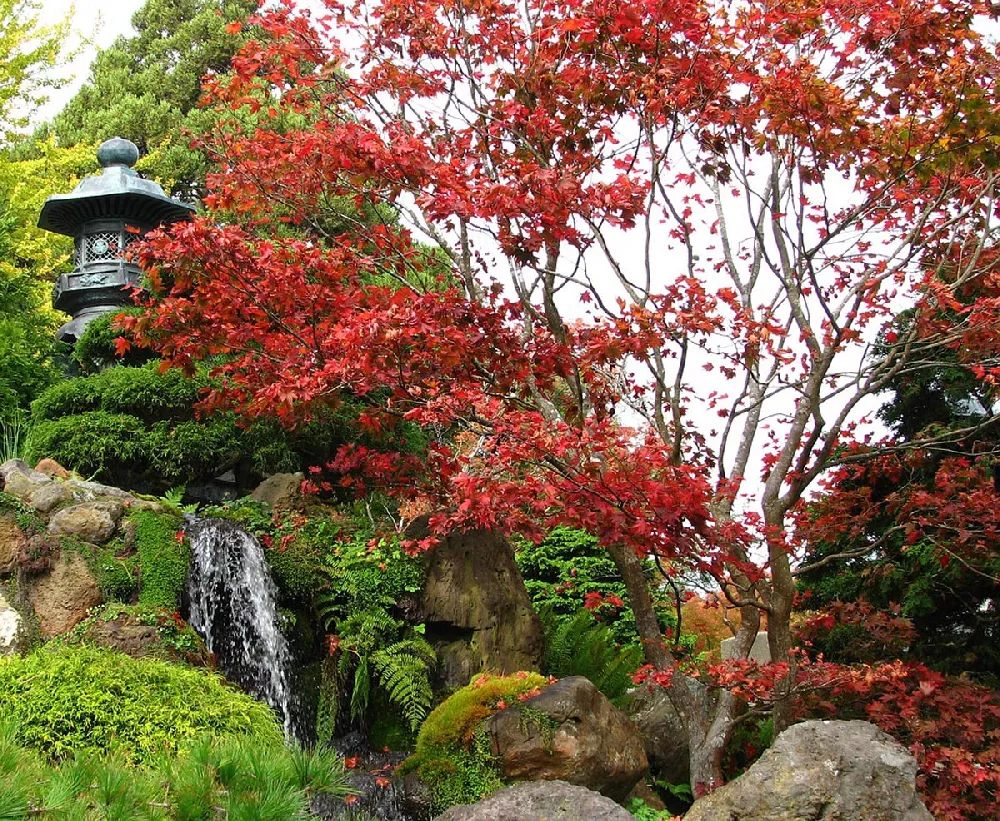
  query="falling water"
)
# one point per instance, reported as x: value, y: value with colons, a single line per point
x: 232, y: 602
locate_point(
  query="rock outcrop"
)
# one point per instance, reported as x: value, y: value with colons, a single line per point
x: 12, y: 542
x: 822, y: 771
x: 475, y: 608
x: 569, y: 732
x: 540, y: 801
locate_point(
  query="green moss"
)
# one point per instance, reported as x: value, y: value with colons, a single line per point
x: 453, y: 722
x: 67, y: 700
x: 163, y: 558
x: 116, y: 575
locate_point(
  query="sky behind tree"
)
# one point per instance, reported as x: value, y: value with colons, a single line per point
x: 96, y: 24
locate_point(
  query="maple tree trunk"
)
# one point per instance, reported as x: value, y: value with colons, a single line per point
x: 707, y: 719
x: 779, y: 633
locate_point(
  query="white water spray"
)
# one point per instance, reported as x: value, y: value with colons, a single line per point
x: 232, y: 601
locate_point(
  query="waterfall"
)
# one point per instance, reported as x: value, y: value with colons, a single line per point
x: 232, y: 606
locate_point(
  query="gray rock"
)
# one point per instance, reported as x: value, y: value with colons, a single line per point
x: 18, y: 467
x: 822, y: 771
x: 476, y: 609
x: 46, y: 498
x: 540, y: 801
x: 280, y: 490
x: 662, y: 733
x: 31, y: 487
x: 759, y: 652
x: 93, y: 522
x: 569, y: 732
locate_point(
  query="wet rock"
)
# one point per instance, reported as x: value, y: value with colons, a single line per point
x: 93, y: 522
x: 569, y: 732
x: 540, y: 801
x: 662, y: 733
x: 475, y: 608
x: 61, y: 597
x: 822, y: 771
x: 283, y: 490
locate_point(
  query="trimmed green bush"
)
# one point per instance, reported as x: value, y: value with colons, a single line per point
x: 163, y: 558
x: 95, y: 349
x: 72, y: 699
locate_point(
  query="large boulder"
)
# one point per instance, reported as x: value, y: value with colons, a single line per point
x: 822, y: 771
x: 540, y: 801
x: 662, y: 733
x: 569, y: 732
x: 475, y: 608
x: 282, y: 490
x: 93, y: 522
x: 62, y: 597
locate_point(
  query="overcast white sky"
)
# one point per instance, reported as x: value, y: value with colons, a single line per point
x: 94, y: 22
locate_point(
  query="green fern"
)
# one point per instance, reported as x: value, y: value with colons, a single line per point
x: 384, y: 651
x: 580, y: 646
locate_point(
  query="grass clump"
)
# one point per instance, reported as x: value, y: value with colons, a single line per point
x: 230, y: 778
x: 68, y: 700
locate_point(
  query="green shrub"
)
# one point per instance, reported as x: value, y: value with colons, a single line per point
x: 564, y: 567
x: 72, y: 699
x: 232, y: 778
x: 95, y: 350
x: 367, y: 578
x: 141, y: 392
x: 163, y: 558
x: 116, y: 575
x: 452, y: 753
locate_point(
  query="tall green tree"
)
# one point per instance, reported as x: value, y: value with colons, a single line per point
x: 30, y: 55
x: 146, y: 87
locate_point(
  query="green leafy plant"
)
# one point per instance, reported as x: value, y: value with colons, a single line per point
x: 64, y: 700
x: 581, y: 646
x: 377, y: 648
x: 641, y: 810
x: 13, y: 436
x: 366, y: 578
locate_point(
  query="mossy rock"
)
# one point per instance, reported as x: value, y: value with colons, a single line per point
x: 142, y: 632
x: 453, y: 756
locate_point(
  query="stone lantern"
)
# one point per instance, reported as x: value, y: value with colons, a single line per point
x: 105, y: 214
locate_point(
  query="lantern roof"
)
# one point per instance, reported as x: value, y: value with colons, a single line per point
x: 118, y: 192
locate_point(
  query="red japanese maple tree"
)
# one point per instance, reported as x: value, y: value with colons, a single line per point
x: 666, y: 236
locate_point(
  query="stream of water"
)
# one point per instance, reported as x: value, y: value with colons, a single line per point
x: 232, y: 607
